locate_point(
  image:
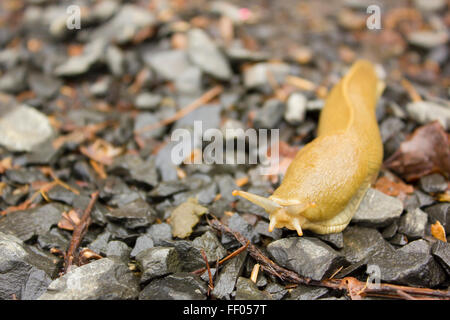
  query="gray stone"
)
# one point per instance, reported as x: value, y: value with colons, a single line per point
x: 433, y: 183
x: 258, y: 74
x: 399, y: 240
x: 441, y: 250
x: 390, y: 230
x: 55, y: 238
x: 418, y: 200
x: 413, y: 224
x: 309, y: 257
x: 23, y: 273
x: 178, y: 286
x: 239, y: 224
x: 270, y: 114
x: 211, y: 245
x: 430, y: 5
x: 45, y: 86
x: 158, y: 261
x: 119, y: 250
x: 190, y: 255
x: 167, y: 64
x: 125, y: 24
x: 226, y: 186
x: 295, y: 108
x: 100, y: 244
x: 246, y: 289
x: 189, y: 81
x: 390, y: 127
x: 228, y: 276
x: 204, y: 53
x: 145, y: 119
x: 134, y: 215
x: 14, y: 80
x: 411, y: 265
x: 426, y: 111
x: 262, y: 227
x: 147, y: 100
x: 32, y: 222
x: 78, y: 65
x: 142, y: 243
x: 160, y: 232
x: 115, y: 60
x: 377, y: 209
x: 336, y: 240
x: 101, y: 87
x: 276, y: 290
x: 136, y: 169
x: 103, y: 279
x: 440, y: 212
x: 302, y: 292
x: 24, y: 128
x: 360, y: 243
x: 427, y: 38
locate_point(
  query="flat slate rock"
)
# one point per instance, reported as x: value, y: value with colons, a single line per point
x: 302, y: 292
x: 377, y: 209
x: 440, y: 212
x: 178, y: 286
x: 134, y: 215
x: 158, y: 261
x: 32, y: 222
x: 246, y: 289
x: 441, y: 250
x: 309, y: 257
x: 413, y: 224
x: 226, y: 281
x: 23, y: 273
x: 103, y: 279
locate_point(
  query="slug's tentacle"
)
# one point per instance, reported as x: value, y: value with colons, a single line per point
x: 269, y: 205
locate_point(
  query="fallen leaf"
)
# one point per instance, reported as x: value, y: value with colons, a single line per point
x: 426, y: 151
x: 69, y: 220
x: 438, y: 231
x: 397, y: 189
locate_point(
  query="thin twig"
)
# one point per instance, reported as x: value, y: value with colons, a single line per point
x: 211, y: 284
x: 351, y: 285
x: 78, y: 234
x: 205, y: 98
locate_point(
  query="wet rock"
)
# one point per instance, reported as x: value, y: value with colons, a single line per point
x: 160, y: 232
x: 258, y: 74
x: 55, y: 238
x: 246, y: 289
x: 309, y: 257
x: 142, y: 243
x: 302, y: 292
x: 360, y: 243
x: 100, y: 244
x: 32, y: 222
x: 440, y: 212
x: 377, y: 209
x: 78, y: 65
x: 185, y: 217
x: 426, y: 111
x: 168, y: 188
x: 125, y: 24
x: 433, y: 183
x: 336, y: 240
x: 136, y: 169
x: 262, y: 228
x: 167, y: 64
x: 119, y: 250
x: 61, y: 194
x: 103, y: 279
x: 189, y: 254
x: 295, y: 108
x: 204, y: 53
x: 178, y: 286
x: 228, y: 276
x: 411, y: 265
x: 211, y: 245
x: 270, y: 114
x: 23, y: 128
x: 441, y: 250
x: 413, y: 224
x: 24, y: 175
x: 23, y: 273
x: 418, y: 200
x: 148, y: 101
x: 134, y: 215
x: 158, y: 261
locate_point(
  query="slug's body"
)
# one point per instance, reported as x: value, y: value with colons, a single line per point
x: 328, y: 178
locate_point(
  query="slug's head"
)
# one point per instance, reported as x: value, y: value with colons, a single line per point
x: 288, y: 216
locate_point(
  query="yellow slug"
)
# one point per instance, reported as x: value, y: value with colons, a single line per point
x: 329, y: 176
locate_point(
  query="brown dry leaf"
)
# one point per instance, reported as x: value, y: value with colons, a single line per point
x: 101, y: 151
x: 69, y: 220
x: 395, y: 189
x: 426, y: 151
x: 438, y: 231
